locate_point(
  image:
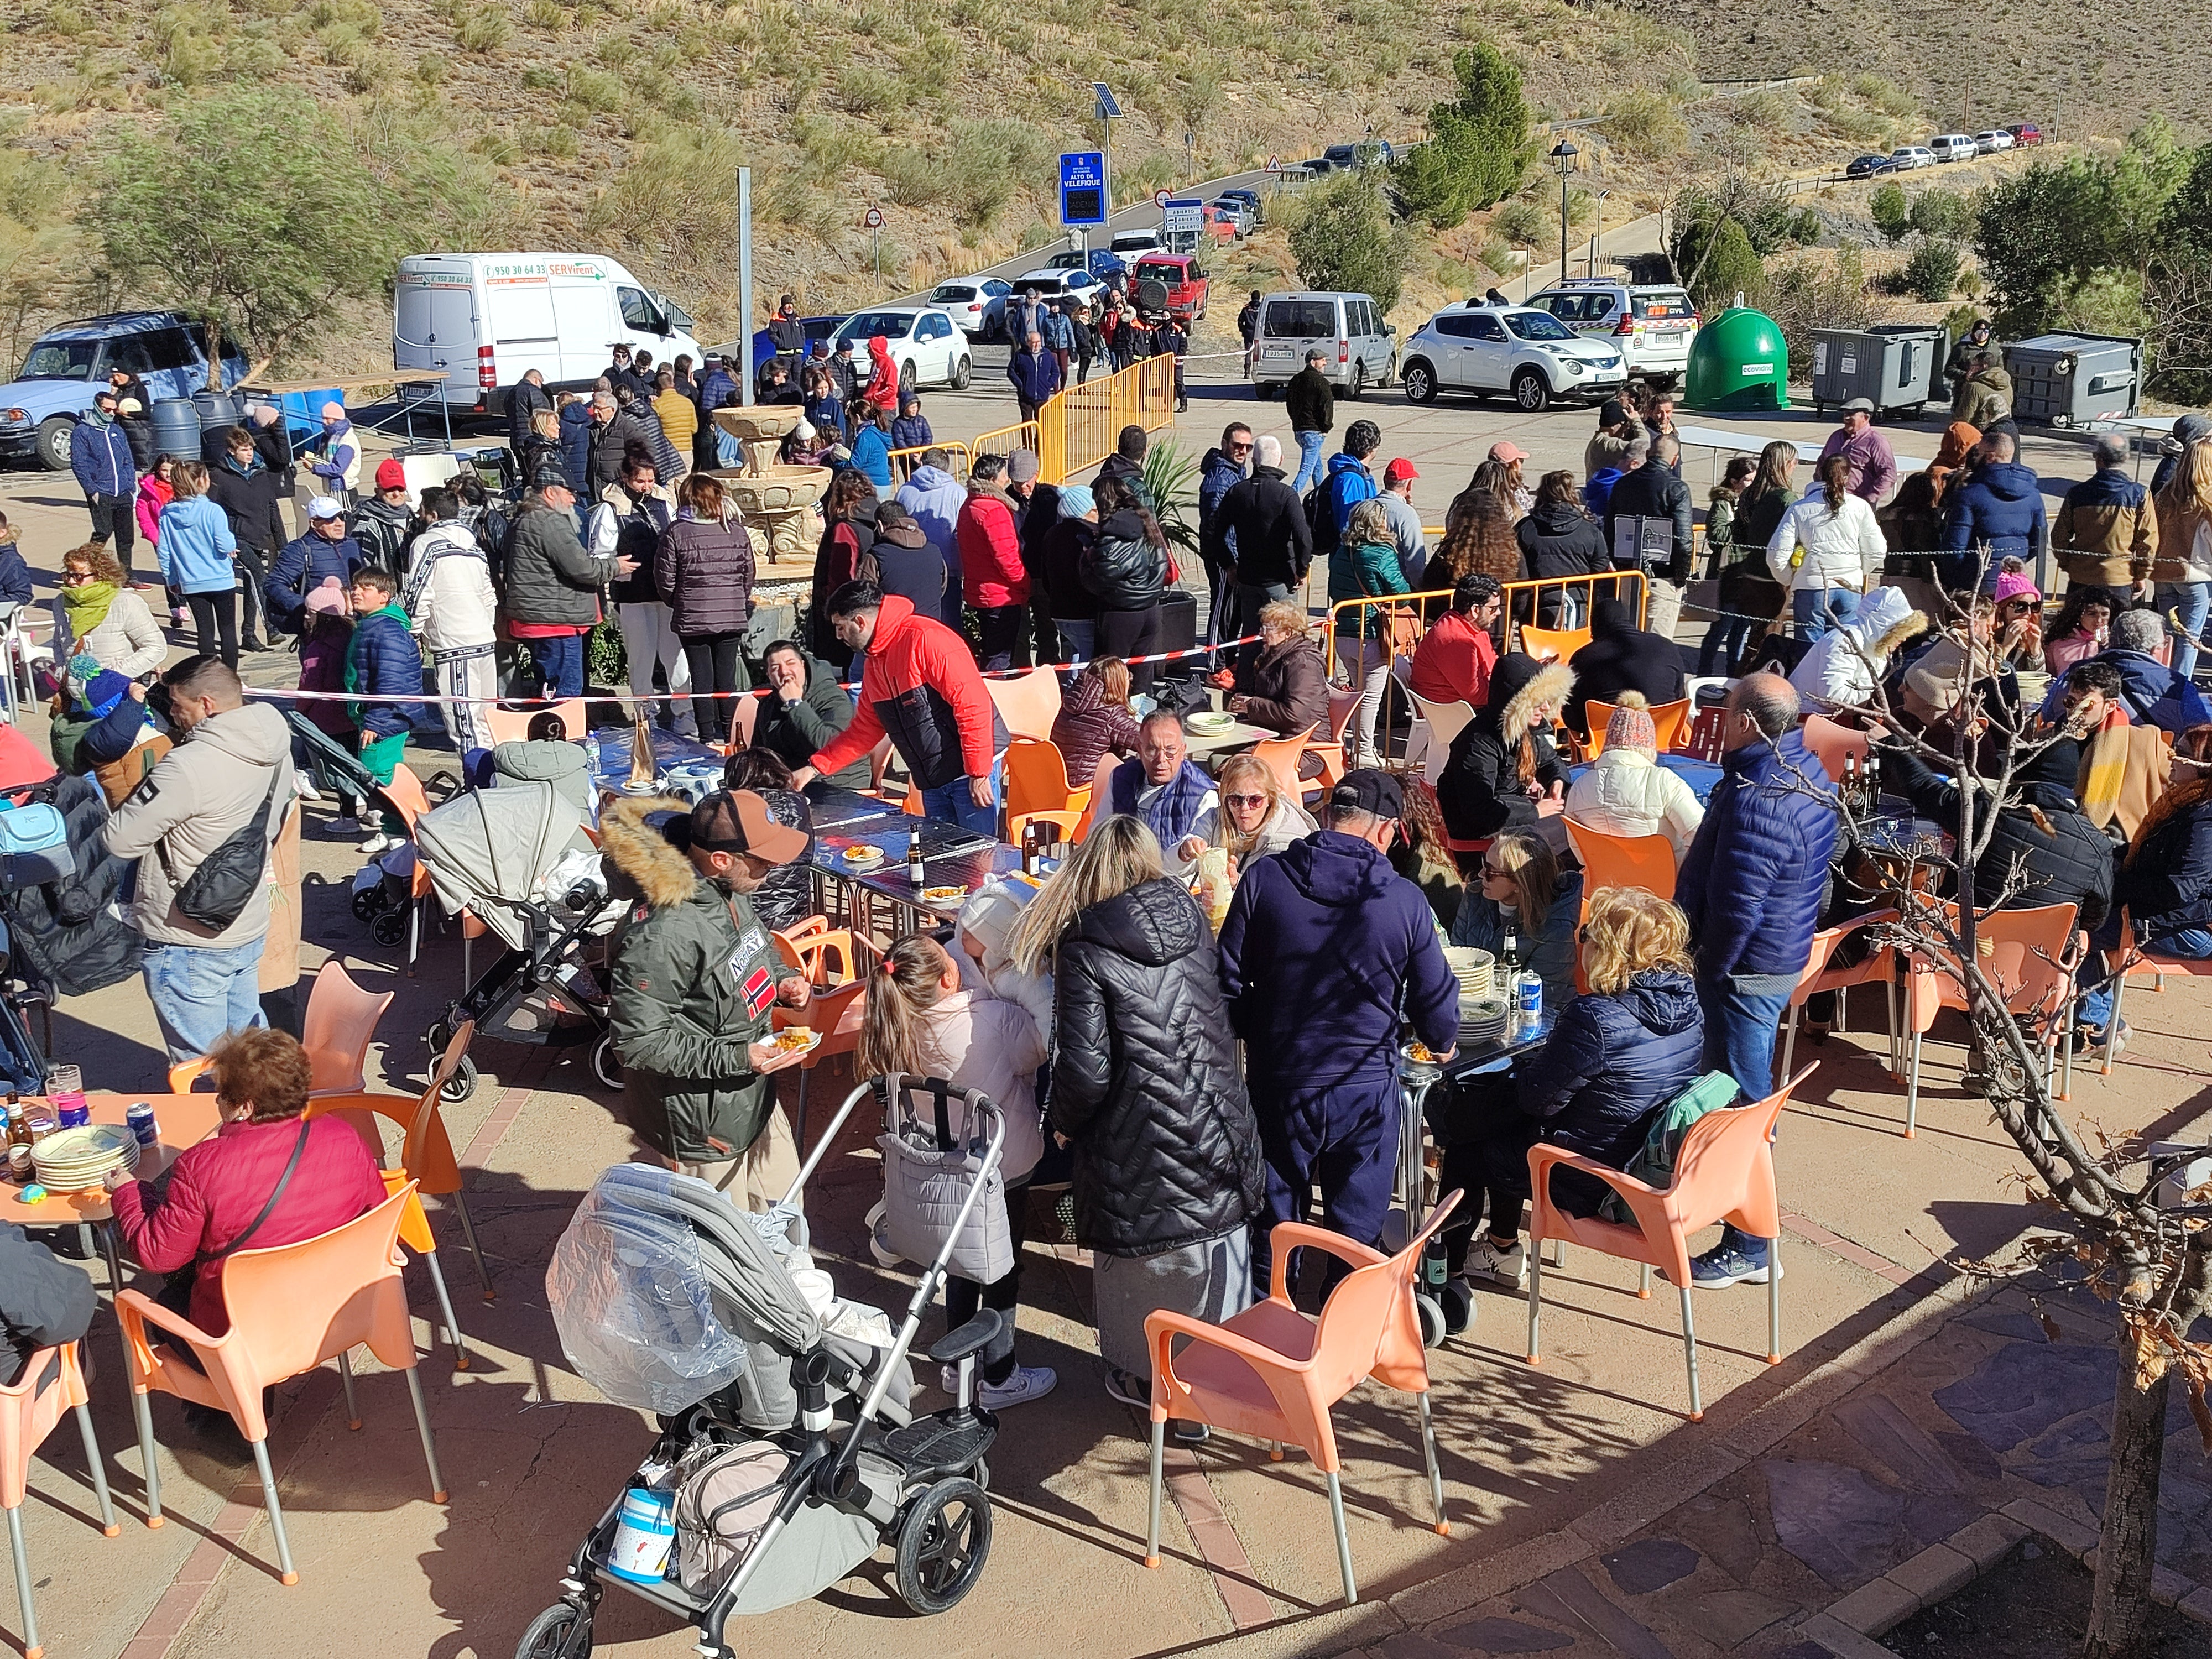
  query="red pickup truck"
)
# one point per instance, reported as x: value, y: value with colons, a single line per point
x: 1183, y: 278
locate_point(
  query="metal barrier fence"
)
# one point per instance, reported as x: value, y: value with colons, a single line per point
x: 1077, y: 428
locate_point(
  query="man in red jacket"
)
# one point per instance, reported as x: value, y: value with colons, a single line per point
x: 920, y: 689
x: 1453, y: 661
x: 991, y: 571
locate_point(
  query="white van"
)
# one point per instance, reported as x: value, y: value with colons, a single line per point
x: 1953, y: 147
x: 487, y: 318
x: 1359, y: 348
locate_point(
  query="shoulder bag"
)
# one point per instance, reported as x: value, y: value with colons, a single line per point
x: 188, y: 1275
x: 216, y: 893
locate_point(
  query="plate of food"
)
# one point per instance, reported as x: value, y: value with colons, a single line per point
x: 1419, y: 1054
x: 863, y: 856
x: 796, y: 1040
x: 1211, y: 720
x: 940, y: 896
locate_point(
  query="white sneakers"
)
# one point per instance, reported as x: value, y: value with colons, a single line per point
x: 1506, y: 1266
x: 1027, y: 1383
x: 380, y: 843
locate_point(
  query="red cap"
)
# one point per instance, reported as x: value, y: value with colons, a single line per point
x: 1399, y: 470
x: 389, y: 474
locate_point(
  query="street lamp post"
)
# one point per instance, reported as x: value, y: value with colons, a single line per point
x: 1563, y: 157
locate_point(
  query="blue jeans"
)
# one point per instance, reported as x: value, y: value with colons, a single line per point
x: 2095, y: 1007
x: 1724, y: 644
x: 199, y: 993
x: 1079, y: 635
x: 1310, y: 445
x: 2194, y: 601
x: 1742, y: 1011
x: 950, y: 803
x: 560, y: 659
x: 1816, y: 611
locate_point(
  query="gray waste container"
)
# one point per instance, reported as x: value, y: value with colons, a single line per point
x: 1894, y: 366
x: 2071, y: 380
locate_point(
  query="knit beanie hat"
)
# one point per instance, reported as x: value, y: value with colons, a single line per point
x: 1631, y: 727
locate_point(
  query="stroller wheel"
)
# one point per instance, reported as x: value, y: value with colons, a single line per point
x: 606, y: 1065
x: 1435, y: 1325
x: 463, y: 1083
x: 944, y: 1540
x: 366, y: 903
x: 390, y: 928
x: 562, y: 1632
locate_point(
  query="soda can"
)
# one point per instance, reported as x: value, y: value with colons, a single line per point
x: 140, y: 1117
x: 1529, y: 997
x: 75, y: 1117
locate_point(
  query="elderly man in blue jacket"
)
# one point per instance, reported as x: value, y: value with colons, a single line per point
x: 1751, y: 886
x: 2155, y: 694
x: 1327, y: 955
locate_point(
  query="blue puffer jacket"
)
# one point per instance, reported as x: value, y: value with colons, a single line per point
x: 1217, y: 476
x: 2154, y: 693
x: 2167, y: 882
x: 299, y: 569
x: 99, y: 456
x: 871, y: 456
x: 1347, y: 483
x: 383, y: 661
x: 1323, y: 943
x: 1610, y: 1062
x: 576, y: 447
x: 2001, y: 503
x: 1753, y: 882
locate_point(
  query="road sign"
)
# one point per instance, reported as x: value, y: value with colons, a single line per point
x: 1182, y: 218
x: 1274, y: 164
x: 1083, y: 188
x: 1160, y: 199
x: 874, y: 219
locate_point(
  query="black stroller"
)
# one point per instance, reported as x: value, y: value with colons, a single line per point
x: 380, y: 892
x: 669, y: 1300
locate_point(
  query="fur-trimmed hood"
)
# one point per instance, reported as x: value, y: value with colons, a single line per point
x: 1519, y: 685
x: 660, y: 875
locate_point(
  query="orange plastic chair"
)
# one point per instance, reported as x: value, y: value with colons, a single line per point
x: 512, y: 725
x: 1556, y: 643
x: 2135, y: 962
x: 1342, y: 704
x: 1067, y: 823
x: 335, y: 1030
x: 1819, y: 975
x: 1443, y: 723
x: 291, y: 1308
x: 1029, y: 703
x: 1273, y: 1373
x: 838, y: 1013
x: 426, y: 1152
x: 1670, y: 719
x: 186, y: 1072
x: 51, y: 1383
x: 1036, y: 779
x: 406, y: 796
x: 1644, y: 861
x: 1101, y: 793
x: 1832, y: 742
x: 2030, y: 956
x: 1724, y: 1171
x: 813, y: 945
x: 1282, y: 755
x: 744, y: 717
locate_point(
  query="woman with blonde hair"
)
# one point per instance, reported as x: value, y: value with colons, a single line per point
x: 1614, y: 1060
x: 1255, y: 818
x: 1146, y: 1090
x: 1364, y: 565
x: 920, y: 1023
x: 1521, y: 889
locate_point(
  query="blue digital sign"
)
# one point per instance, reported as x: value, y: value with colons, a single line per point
x: 1083, y: 198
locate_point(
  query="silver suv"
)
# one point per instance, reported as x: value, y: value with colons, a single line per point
x: 1652, y: 324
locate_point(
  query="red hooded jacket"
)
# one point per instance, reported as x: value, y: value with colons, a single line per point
x: 991, y: 572
x: 920, y: 689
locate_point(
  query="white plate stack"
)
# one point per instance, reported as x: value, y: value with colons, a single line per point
x: 75, y: 1160
x: 1474, y: 969
x: 1482, y: 1019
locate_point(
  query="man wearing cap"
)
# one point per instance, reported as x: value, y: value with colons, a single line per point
x: 1329, y: 959
x: 100, y: 459
x: 1397, y: 500
x: 325, y: 548
x: 337, y: 465
x: 384, y: 524
x: 1310, y: 402
x: 693, y: 979
x: 1873, y: 465
x: 786, y: 332
x: 553, y: 584
x: 1607, y: 449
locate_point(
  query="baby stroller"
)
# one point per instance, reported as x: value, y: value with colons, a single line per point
x: 518, y: 860
x: 786, y: 1453
x: 382, y: 886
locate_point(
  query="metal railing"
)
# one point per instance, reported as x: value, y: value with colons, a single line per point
x: 1077, y: 428
x: 905, y: 461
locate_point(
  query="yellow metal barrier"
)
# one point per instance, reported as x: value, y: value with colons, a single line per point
x: 1077, y: 428
x: 904, y: 461
x: 1006, y: 440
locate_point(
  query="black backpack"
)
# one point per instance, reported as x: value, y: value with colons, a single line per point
x: 1317, y: 518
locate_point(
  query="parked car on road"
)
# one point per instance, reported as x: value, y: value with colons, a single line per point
x: 1909, y: 156
x: 1653, y: 324
x: 1953, y: 147
x: 1099, y: 262
x: 1869, y: 167
x: 1234, y: 208
x: 978, y: 305
x: 925, y: 342
x: 1517, y: 351
x: 815, y: 328
x: 1359, y: 348
x: 1184, y: 279
x: 1251, y: 198
x: 1130, y: 243
x: 1052, y: 283
x: 1989, y: 143
x: 67, y: 364
x: 2025, y: 133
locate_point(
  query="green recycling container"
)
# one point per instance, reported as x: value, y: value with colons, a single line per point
x: 1738, y: 362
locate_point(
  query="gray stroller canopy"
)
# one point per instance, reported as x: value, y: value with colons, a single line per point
x: 498, y: 843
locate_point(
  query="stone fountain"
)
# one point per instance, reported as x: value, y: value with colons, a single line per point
x: 781, y: 502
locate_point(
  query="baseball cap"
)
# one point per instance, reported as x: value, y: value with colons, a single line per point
x: 324, y: 507
x: 738, y: 821
x: 549, y: 477
x: 1399, y: 470
x: 1369, y: 790
x: 1506, y: 452
x: 1859, y: 406
x: 389, y: 474
x: 1022, y: 466
x: 1612, y: 412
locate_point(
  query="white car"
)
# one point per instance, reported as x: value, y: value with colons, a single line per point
x: 978, y: 305
x: 1130, y: 243
x: 1989, y: 143
x: 1952, y: 147
x: 925, y: 343
x: 1909, y: 156
x: 1513, y: 350
x: 1653, y: 324
x: 1055, y: 284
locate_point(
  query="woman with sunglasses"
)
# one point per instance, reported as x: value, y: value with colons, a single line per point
x: 1255, y: 818
x: 1615, y: 1058
x: 1520, y: 887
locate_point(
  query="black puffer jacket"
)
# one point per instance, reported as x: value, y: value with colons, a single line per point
x: 1124, y: 570
x: 1480, y: 788
x: 2167, y: 882
x: 1557, y: 538
x: 71, y: 934
x: 2063, y: 857
x: 1145, y: 1084
x: 704, y: 573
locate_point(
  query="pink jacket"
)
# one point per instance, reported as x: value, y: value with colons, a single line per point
x: 153, y: 496
x: 2059, y: 655
x: 996, y: 1047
